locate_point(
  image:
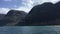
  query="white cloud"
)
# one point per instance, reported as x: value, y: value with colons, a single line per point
x: 27, y: 5
x: 7, y: 0
x: 26, y: 9
x: 4, y: 10
x: 54, y: 1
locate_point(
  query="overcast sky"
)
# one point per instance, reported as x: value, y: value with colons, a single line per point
x: 25, y: 5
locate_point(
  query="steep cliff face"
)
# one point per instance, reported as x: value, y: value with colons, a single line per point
x: 13, y: 17
x: 41, y: 13
x: 57, y: 9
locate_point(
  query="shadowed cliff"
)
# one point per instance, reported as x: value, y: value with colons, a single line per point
x: 41, y: 14
x: 13, y: 17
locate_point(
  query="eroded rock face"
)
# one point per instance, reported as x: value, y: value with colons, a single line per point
x: 13, y: 17
x: 40, y: 14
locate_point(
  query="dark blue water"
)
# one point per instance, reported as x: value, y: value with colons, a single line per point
x: 30, y: 30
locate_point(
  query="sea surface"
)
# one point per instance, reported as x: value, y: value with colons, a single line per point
x: 30, y: 30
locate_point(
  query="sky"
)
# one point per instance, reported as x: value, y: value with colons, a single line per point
x: 22, y: 5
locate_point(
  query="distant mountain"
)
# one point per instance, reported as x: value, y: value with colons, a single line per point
x: 13, y: 17
x: 40, y: 14
x: 43, y: 14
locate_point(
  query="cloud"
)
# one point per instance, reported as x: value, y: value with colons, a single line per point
x: 27, y: 5
x: 26, y: 9
x: 4, y: 10
x: 54, y: 1
x: 7, y: 0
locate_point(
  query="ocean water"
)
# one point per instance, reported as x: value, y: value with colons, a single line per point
x: 30, y: 30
